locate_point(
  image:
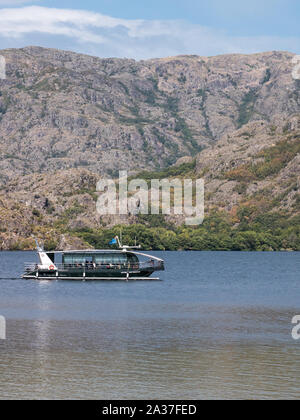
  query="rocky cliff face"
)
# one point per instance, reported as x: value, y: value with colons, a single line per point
x: 61, y: 110
x: 259, y: 164
x: 66, y: 119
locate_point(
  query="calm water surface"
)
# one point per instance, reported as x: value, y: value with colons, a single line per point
x: 218, y: 326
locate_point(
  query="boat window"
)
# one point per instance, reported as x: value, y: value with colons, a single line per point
x: 74, y: 259
x: 105, y: 258
x: 110, y: 258
x: 132, y: 258
x: 51, y: 256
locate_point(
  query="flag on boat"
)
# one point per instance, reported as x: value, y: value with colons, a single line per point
x: 113, y: 241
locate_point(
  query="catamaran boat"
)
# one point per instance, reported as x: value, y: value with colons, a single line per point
x: 121, y: 264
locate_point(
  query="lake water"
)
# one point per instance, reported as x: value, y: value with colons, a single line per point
x: 217, y: 326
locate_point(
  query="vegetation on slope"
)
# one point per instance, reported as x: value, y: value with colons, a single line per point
x: 272, y: 160
x: 268, y: 232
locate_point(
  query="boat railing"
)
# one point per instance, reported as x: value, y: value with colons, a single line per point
x: 155, y: 264
x: 30, y: 266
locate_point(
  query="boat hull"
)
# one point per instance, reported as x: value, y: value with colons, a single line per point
x: 79, y: 274
x: 91, y: 278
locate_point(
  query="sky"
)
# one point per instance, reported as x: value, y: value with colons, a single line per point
x: 143, y: 29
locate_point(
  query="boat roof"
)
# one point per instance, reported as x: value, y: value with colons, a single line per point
x: 88, y: 251
x: 102, y: 251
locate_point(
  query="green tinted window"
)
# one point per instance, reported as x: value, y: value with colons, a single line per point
x: 133, y: 258
x: 74, y: 259
x: 110, y: 258
x: 105, y: 258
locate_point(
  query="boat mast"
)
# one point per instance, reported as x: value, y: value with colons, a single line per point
x: 126, y: 247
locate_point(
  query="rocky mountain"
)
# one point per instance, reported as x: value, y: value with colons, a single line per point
x: 66, y: 119
x: 62, y: 110
x: 259, y: 163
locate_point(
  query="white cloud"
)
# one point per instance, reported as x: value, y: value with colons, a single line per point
x: 102, y: 35
x: 16, y: 2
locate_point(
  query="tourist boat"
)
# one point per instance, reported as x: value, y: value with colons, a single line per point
x: 121, y: 264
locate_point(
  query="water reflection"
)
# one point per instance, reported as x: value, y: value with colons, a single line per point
x: 58, y: 359
x: 211, y: 336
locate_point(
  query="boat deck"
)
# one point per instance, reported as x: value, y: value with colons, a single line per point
x: 42, y: 278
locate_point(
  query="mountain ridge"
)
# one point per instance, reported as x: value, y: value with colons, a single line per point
x: 83, y: 111
x: 67, y: 119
